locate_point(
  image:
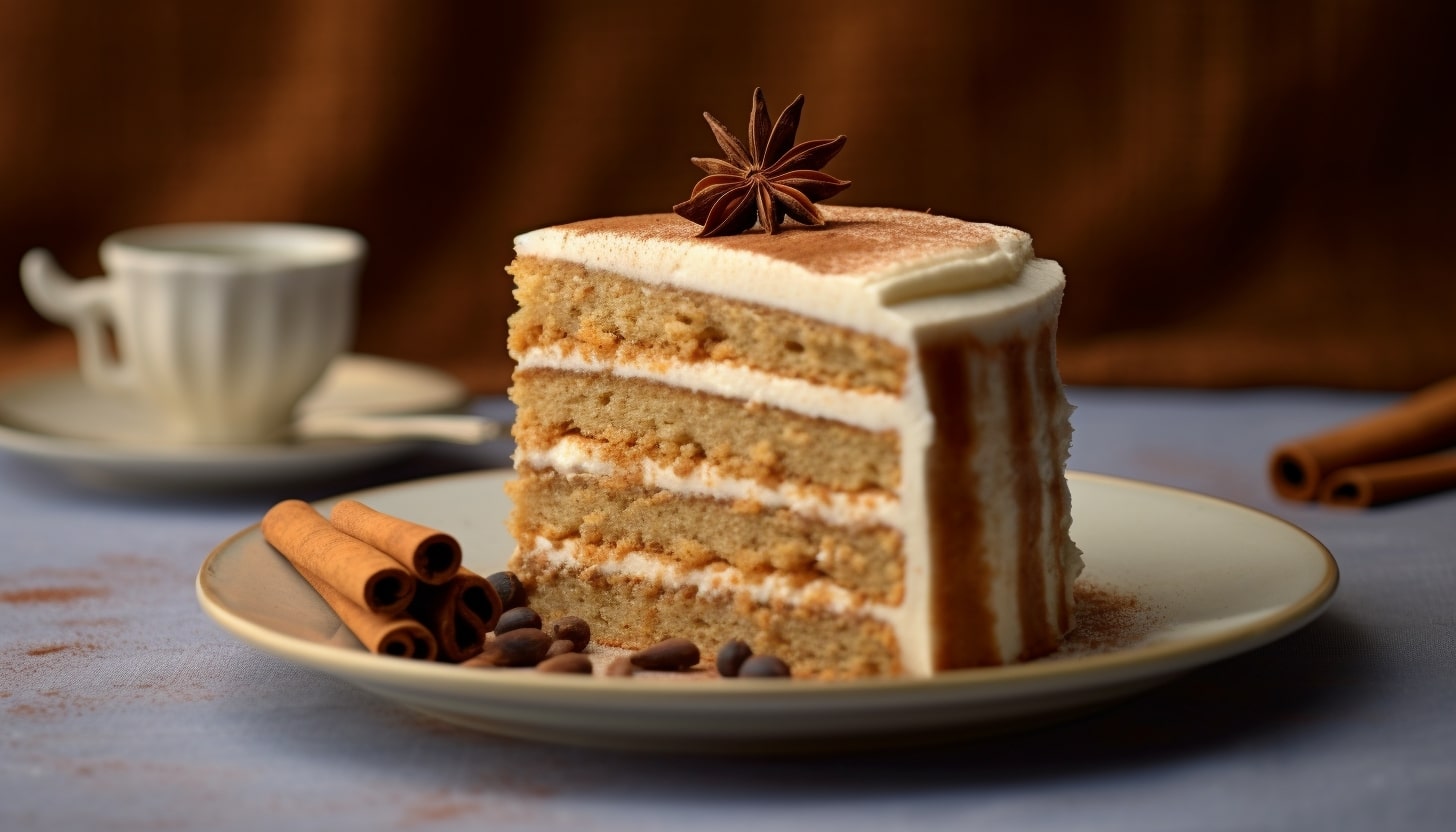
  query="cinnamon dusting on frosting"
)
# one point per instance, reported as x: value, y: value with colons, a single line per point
x: 852, y: 242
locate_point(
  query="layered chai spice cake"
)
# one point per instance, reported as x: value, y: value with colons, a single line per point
x: 843, y: 442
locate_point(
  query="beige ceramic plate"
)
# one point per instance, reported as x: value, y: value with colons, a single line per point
x: 111, y: 440
x: 1221, y: 578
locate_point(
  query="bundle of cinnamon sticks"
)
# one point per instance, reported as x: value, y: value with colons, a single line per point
x: 397, y: 585
x: 1403, y: 451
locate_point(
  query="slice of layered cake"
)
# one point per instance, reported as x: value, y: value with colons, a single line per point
x: 844, y: 445
x: 842, y: 442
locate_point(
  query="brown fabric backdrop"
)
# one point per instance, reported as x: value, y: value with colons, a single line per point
x: 1241, y: 193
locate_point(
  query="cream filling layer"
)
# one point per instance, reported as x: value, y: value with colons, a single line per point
x: 574, y: 455
x: 721, y: 580
x: 871, y: 411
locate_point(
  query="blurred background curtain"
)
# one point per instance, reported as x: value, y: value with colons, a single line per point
x: 1242, y: 193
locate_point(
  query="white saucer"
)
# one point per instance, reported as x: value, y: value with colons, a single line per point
x: 1222, y: 579
x: 57, y: 420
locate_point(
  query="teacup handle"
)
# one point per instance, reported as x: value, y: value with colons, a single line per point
x: 86, y: 306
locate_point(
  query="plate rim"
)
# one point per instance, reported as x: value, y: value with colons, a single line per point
x: 1073, y: 673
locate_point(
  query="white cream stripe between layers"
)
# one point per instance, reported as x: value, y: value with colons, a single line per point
x: 871, y: 411
x: 575, y: 455
x: 719, y: 580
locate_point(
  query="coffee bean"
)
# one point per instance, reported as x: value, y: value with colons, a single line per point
x: 515, y: 619
x: 509, y: 588
x: 764, y: 667
x: 560, y: 647
x: 520, y: 648
x: 669, y: 654
x: 621, y: 666
x: 731, y: 656
x: 572, y: 629
x: 566, y: 663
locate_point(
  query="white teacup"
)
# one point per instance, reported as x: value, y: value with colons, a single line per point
x: 221, y: 327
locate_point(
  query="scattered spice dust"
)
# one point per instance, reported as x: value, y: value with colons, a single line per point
x: 43, y: 672
x: 444, y: 810
x: 47, y: 650
x: 443, y: 805
x: 85, y: 626
x: 51, y: 594
x: 1108, y: 619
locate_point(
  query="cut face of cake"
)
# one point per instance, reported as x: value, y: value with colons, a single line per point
x: 843, y: 445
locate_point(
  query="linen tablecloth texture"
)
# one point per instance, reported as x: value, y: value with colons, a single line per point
x: 123, y: 707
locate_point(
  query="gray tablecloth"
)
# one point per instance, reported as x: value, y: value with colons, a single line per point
x: 123, y: 707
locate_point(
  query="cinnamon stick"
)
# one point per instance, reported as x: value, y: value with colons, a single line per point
x: 391, y: 635
x: 358, y: 571
x: 458, y: 613
x: 1424, y: 422
x: 431, y: 555
x: 1384, y: 482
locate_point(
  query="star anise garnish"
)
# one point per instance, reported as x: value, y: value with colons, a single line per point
x: 770, y: 180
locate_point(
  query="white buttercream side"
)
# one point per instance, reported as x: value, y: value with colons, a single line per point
x: 1051, y: 442
x: 951, y: 274
x: 1071, y: 554
x: 1000, y: 514
x: 1010, y: 310
x: 574, y: 455
x: 914, y: 612
x: 1044, y: 440
x: 1024, y: 306
x: 869, y: 410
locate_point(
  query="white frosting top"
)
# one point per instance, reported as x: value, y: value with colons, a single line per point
x: 864, y: 269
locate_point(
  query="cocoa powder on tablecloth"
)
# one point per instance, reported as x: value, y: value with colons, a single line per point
x: 78, y: 617
x: 52, y: 594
